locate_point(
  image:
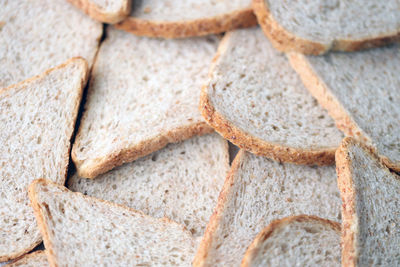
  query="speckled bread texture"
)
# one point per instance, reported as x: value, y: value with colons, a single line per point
x: 178, y: 19
x: 41, y: 34
x: 361, y: 92
x: 181, y: 181
x: 257, y: 191
x: 37, y: 119
x: 315, y: 27
x: 370, y: 194
x: 257, y: 101
x: 143, y: 94
x: 104, y: 10
x: 79, y: 230
x: 34, y: 259
x: 296, y: 241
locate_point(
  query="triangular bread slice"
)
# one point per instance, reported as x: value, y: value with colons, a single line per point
x: 300, y: 240
x: 78, y: 229
x: 371, y: 216
x: 257, y: 191
x: 34, y: 259
x: 41, y: 34
x: 178, y: 19
x: 181, y: 181
x: 257, y: 101
x: 37, y: 119
x: 143, y: 94
x: 361, y: 92
x: 104, y: 10
x: 314, y: 27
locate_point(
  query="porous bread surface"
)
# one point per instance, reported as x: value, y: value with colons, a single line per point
x: 78, y: 230
x: 371, y: 235
x: 143, y: 94
x: 255, y: 89
x: 34, y: 259
x: 38, y: 35
x: 296, y: 241
x: 181, y: 182
x: 258, y: 191
x: 37, y: 119
x: 110, y: 5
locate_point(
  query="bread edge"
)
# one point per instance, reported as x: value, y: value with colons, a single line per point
x: 25, y: 258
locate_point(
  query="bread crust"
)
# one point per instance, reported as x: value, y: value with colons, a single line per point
x: 25, y: 259
x: 198, y: 27
x: 276, y: 224
x: 286, y: 41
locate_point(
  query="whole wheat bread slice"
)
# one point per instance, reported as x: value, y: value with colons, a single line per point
x: 80, y: 230
x: 181, y: 181
x: 300, y: 240
x: 257, y: 101
x: 34, y: 259
x: 314, y: 27
x: 41, y: 34
x: 143, y: 94
x: 37, y: 119
x: 361, y: 92
x: 178, y: 19
x: 104, y: 10
x: 371, y: 216
x: 257, y: 191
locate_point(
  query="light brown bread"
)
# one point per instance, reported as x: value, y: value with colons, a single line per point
x: 370, y: 211
x: 34, y: 259
x: 37, y: 119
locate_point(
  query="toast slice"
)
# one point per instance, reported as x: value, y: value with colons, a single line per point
x: 371, y: 216
x: 37, y: 119
x: 178, y: 19
x: 143, y: 94
x: 42, y: 34
x: 314, y: 27
x: 78, y: 229
x: 361, y: 93
x: 257, y: 191
x: 257, y: 101
x: 181, y: 181
x: 300, y: 240
x: 34, y: 259
x: 105, y: 11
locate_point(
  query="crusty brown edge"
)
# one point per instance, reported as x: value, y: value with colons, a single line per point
x: 286, y: 41
x: 26, y: 259
x: 244, y: 140
x: 198, y: 27
x: 96, y: 12
x: 74, y: 114
x: 253, y: 249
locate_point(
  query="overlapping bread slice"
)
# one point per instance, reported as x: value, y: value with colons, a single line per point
x: 181, y: 181
x: 257, y: 191
x: 104, y: 10
x: 34, y: 259
x: 371, y: 216
x: 143, y: 94
x: 300, y: 240
x: 257, y: 101
x: 314, y: 27
x: 37, y: 119
x: 361, y: 91
x: 41, y: 34
x: 177, y: 19
x: 78, y: 230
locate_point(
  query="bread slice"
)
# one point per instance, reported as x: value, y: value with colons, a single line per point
x: 257, y: 191
x: 296, y: 241
x: 361, y: 92
x: 37, y: 119
x: 103, y: 10
x: 177, y: 19
x: 182, y: 182
x: 34, y: 259
x: 371, y: 216
x: 257, y: 101
x: 78, y: 229
x: 41, y: 34
x: 143, y: 95
x: 314, y: 27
